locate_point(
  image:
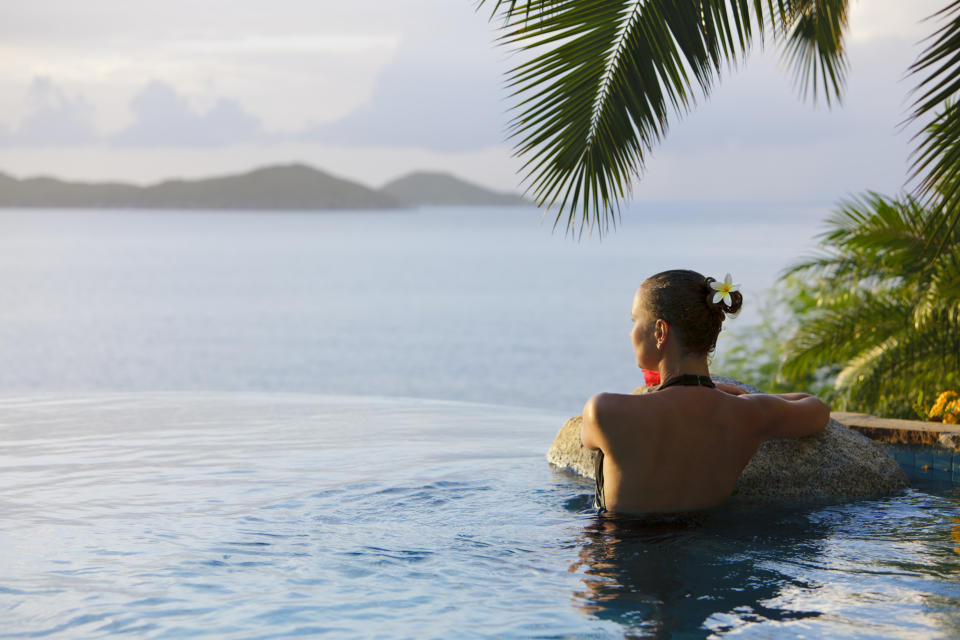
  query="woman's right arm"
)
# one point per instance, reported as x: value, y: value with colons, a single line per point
x: 793, y: 396
x: 788, y: 415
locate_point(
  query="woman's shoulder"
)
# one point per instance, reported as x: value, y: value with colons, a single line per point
x: 606, y: 407
x: 605, y: 415
x: 608, y: 400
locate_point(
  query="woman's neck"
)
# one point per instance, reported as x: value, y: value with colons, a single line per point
x: 677, y: 365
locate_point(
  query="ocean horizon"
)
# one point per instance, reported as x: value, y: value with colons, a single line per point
x: 479, y: 304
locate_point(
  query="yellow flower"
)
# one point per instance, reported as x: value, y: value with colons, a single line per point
x: 949, y: 418
x: 723, y: 290
x: 946, y: 403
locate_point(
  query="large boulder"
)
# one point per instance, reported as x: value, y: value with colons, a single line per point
x: 836, y: 464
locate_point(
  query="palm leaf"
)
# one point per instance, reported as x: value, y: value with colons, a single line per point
x: 870, y: 239
x: 888, y: 309
x: 605, y: 77
x: 941, y: 294
x: 936, y: 159
x: 841, y: 332
x: 889, y: 375
x: 814, y: 47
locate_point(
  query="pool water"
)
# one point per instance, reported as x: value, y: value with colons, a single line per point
x: 242, y: 515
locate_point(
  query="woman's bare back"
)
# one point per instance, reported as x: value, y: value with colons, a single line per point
x: 683, y: 448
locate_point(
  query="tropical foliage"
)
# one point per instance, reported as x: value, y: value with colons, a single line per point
x: 600, y: 79
x: 887, y: 309
x: 756, y: 354
x: 871, y: 323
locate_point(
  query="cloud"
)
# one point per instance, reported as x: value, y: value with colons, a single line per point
x: 443, y: 92
x: 55, y: 119
x: 163, y: 118
x: 758, y: 106
x: 883, y: 19
x: 338, y: 43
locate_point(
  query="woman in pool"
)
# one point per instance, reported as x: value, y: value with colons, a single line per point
x: 683, y: 447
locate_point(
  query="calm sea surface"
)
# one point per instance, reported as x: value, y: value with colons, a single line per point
x: 482, y: 305
x: 201, y: 435
x: 246, y: 515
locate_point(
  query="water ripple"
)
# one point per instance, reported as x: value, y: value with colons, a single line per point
x: 259, y: 517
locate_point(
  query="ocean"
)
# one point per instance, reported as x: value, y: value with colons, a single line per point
x: 273, y: 425
x: 475, y: 304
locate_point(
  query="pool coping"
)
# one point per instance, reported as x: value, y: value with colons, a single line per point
x: 897, y: 431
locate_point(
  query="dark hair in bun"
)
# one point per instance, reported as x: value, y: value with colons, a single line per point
x: 684, y: 299
x: 732, y: 309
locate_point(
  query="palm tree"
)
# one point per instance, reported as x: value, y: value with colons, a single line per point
x: 885, y: 306
x: 604, y: 76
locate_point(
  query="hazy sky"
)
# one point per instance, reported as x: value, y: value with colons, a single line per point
x: 111, y: 89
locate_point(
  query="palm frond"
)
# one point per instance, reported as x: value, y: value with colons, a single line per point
x: 888, y: 375
x: 839, y: 332
x: 821, y: 264
x: 868, y: 239
x: 935, y: 167
x: 888, y: 309
x: 606, y: 76
x: 871, y: 221
x: 814, y: 46
x: 941, y: 293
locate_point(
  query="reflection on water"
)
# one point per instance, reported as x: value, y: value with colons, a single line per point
x: 702, y: 576
x: 955, y: 534
x: 836, y: 570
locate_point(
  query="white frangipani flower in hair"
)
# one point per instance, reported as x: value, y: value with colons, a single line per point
x: 723, y: 290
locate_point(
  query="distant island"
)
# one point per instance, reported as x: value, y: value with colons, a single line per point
x: 293, y: 186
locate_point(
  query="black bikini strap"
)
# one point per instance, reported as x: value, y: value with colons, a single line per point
x: 599, y: 500
x: 688, y: 380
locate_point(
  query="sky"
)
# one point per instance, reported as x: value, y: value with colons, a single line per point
x: 144, y: 91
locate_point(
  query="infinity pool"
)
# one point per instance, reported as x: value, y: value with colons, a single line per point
x: 279, y: 515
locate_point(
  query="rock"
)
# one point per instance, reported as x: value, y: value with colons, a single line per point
x: 951, y: 440
x: 837, y: 464
x: 567, y: 451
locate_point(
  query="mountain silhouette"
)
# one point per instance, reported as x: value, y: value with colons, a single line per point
x: 292, y: 186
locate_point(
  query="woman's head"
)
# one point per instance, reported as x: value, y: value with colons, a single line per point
x: 684, y: 301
